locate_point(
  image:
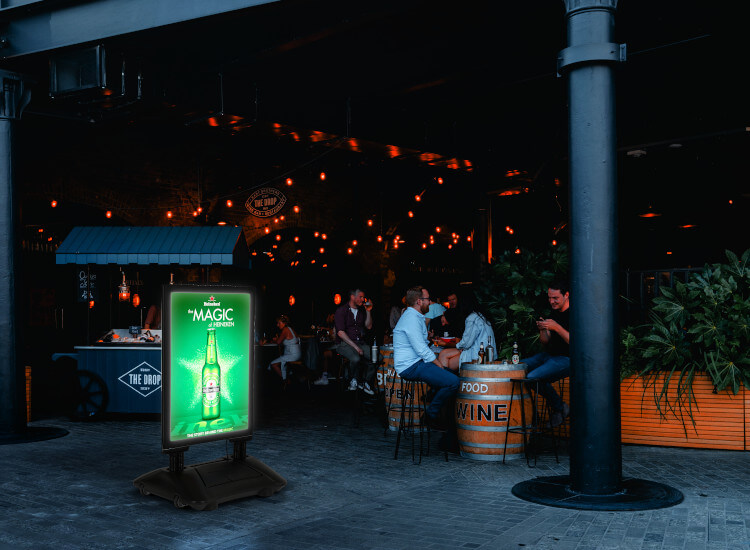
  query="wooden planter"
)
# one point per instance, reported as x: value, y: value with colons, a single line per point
x: 722, y: 420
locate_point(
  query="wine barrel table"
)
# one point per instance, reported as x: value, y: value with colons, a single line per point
x: 482, y: 407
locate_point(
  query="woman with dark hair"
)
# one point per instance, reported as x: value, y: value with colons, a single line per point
x: 477, y: 331
x: 292, y: 349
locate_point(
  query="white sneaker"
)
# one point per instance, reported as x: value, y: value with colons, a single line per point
x: 353, y: 384
x: 367, y: 389
x: 322, y: 381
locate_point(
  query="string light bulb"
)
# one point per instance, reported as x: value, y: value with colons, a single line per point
x: 322, y: 176
x: 229, y: 203
x: 169, y: 214
x: 296, y: 209
x: 289, y: 182
x: 108, y: 213
x: 349, y: 250
x: 53, y: 204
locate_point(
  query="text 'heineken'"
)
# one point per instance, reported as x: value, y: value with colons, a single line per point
x: 211, y: 380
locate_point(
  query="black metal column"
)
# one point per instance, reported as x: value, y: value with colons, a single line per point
x: 595, y: 481
x: 13, y: 99
x: 14, y: 96
x: 595, y: 458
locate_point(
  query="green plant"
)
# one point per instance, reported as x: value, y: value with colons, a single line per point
x: 513, y: 290
x: 699, y: 326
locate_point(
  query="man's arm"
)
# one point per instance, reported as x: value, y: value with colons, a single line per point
x: 345, y: 338
x: 548, y: 325
x: 368, y: 317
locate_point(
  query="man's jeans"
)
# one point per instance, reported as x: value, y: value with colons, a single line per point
x: 445, y: 382
x: 548, y: 368
x: 360, y: 366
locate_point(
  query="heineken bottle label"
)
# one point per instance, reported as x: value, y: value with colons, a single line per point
x: 211, y: 391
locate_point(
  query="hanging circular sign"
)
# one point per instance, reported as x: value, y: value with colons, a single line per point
x: 265, y: 202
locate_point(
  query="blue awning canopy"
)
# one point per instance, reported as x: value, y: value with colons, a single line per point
x: 154, y: 245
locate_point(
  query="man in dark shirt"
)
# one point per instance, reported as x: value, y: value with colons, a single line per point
x: 351, y: 320
x: 554, y: 363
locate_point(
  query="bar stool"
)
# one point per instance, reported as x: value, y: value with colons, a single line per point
x: 410, y: 410
x: 538, y: 425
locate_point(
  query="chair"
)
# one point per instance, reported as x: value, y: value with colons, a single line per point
x: 406, y: 417
x: 537, y: 427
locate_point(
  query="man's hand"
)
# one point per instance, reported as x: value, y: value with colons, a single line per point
x: 368, y: 305
x: 548, y: 324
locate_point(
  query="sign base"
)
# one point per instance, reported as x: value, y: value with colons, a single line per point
x: 204, y: 486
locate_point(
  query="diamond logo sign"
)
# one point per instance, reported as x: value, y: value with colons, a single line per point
x: 144, y: 379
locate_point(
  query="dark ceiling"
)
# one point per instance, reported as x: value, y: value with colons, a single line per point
x: 473, y: 81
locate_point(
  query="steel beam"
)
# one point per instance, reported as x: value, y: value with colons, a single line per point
x: 33, y: 27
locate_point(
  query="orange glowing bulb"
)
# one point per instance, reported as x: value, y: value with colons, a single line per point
x: 316, y: 234
x: 296, y: 209
x: 289, y: 181
x: 200, y: 209
x: 323, y: 236
x: 267, y: 230
x: 169, y: 214
x: 517, y: 250
x: 417, y: 198
x: 278, y: 237
x: 195, y: 213
x: 349, y: 250
x: 296, y: 239
x: 322, y: 176
x: 450, y: 246
x: 108, y: 214
x: 53, y: 204
x: 354, y: 243
x: 369, y: 222
x: 554, y: 243
x: 229, y: 204
x: 424, y: 245
x: 411, y: 214
x: 380, y: 238
x: 322, y: 250
x: 440, y: 181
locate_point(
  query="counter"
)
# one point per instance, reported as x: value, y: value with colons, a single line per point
x: 130, y: 374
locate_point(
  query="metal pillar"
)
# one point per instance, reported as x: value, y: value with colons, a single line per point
x: 595, y: 458
x: 595, y: 481
x: 15, y: 96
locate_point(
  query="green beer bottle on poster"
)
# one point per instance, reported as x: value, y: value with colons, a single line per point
x: 211, y: 380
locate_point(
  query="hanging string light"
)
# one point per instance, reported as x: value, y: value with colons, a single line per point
x: 169, y: 214
x: 53, y: 204
x: 229, y: 203
x: 124, y: 290
x: 108, y: 213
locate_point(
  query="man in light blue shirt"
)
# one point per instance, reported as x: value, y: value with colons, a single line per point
x: 412, y: 357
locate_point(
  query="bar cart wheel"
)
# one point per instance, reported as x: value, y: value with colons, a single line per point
x: 90, y: 397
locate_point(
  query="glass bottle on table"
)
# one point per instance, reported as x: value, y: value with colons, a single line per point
x: 481, y: 353
x: 516, y: 357
x: 490, y: 352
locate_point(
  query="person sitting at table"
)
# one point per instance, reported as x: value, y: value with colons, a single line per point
x: 478, y: 331
x: 435, y: 310
x: 414, y: 360
x: 292, y: 349
x: 350, y: 322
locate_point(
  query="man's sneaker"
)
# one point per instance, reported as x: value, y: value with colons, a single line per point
x: 367, y: 389
x: 322, y: 381
x: 353, y: 385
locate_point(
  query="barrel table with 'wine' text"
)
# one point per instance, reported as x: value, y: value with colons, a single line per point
x: 482, y: 411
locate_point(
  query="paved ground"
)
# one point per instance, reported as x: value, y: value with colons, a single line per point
x: 346, y: 491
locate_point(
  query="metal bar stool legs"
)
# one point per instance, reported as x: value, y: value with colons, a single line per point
x: 537, y: 427
x: 411, y: 415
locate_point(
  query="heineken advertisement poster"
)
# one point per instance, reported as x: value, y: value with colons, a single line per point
x: 206, y: 359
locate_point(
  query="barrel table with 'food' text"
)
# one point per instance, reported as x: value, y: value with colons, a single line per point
x: 482, y: 411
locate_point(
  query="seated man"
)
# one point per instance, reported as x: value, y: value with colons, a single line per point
x: 554, y: 363
x: 412, y: 357
x: 351, y: 320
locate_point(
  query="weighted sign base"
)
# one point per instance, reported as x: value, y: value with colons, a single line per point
x: 636, y: 494
x: 205, y: 486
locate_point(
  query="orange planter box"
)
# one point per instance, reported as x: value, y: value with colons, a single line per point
x: 722, y: 420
